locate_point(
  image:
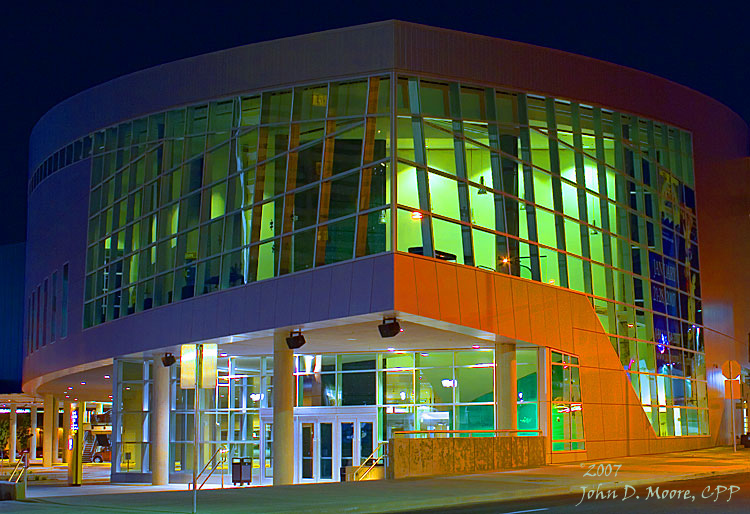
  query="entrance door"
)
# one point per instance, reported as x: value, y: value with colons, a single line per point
x: 326, y: 442
x: 325, y: 439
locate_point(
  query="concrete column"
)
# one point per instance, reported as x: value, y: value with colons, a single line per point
x: 32, y: 439
x: 66, y: 428
x: 283, y: 410
x: 13, y: 427
x: 160, y: 422
x: 55, y: 430
x: 506, y: 392
x: 48, y: 427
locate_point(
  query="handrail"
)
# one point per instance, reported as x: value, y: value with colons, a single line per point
x: 223, y: 449
x: 21, y: 466
x: 221, y: 461
x: 375, y: 463
x: 506, y: 431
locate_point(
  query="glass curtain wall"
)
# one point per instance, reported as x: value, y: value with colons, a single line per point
x: 233, y: 191
x: 577, y: 196
x: 217, y: 195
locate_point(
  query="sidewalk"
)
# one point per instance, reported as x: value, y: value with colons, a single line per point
x: 395, y: 495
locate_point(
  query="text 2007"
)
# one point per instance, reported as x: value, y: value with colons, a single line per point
x: 601, y: 470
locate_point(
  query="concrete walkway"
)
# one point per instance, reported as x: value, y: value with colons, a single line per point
x: 400, y: 495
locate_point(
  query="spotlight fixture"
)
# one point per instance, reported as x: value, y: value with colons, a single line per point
x: 295, y: 341
x: 168, y: 360
x: 389, y: 327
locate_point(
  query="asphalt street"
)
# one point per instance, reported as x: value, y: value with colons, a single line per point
x: 721, y: 494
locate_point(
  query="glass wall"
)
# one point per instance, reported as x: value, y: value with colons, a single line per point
x: 131, y: 416
x: 572, y: 195
x: 237, y: 190
x: 435, y: 390
x: 221, y: 194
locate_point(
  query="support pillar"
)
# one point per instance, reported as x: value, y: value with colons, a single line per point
x: 66, y: 429
x: 55, y: 430
x: 48, y: 430
x: 13, y: 428
x: 283, y: 410
x: 160, y: 422
x: 506, y: 392
x: 32, y: 439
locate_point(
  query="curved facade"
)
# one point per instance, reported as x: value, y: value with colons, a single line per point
x: 579, y: 215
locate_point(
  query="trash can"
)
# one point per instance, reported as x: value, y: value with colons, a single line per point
x: 242, y: 470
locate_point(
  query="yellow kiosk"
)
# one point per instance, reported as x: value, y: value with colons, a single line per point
x: 75, y: 447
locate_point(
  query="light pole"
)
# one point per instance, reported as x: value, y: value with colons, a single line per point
x: 197, y: 371
x: 196, y: 424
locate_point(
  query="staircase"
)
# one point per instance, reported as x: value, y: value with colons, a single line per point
x: 88, y: 451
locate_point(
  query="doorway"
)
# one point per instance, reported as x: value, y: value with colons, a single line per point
x: 325, y: 440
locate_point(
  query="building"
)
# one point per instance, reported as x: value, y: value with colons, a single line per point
x: 529, y: 217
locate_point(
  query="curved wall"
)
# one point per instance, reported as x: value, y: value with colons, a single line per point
x: 58, y: 207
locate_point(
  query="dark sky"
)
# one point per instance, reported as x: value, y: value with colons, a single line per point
x: 52, y: 51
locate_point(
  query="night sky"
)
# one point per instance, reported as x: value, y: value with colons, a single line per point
x: 51, y: 52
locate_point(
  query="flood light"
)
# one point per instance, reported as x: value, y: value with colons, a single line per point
x: 295, y: 341
x: 389, y: 328
x: 168, y: 359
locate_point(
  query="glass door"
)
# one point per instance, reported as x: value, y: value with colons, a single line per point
x: 327, y: 442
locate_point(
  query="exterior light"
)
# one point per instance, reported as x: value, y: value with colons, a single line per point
x: 70, y: 388
x: 448, y: 382
x: 391, y: 349
x: 106, y: 377
x: 295, y: 341
x: 475, y: 346
x: 168, y: 359
x: 83, y: 383
x: 389, y: 328
x: 223, y: 355
x: 416, y: 215
x: 505, y: 260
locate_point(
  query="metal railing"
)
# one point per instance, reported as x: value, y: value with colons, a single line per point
x: 221, y: 449
x: 370, y: 462
x: 22, y: 468
x: 449, y: 433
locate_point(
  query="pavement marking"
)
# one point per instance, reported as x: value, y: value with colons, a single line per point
x: 520, y: 511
